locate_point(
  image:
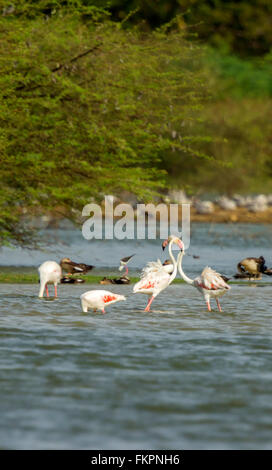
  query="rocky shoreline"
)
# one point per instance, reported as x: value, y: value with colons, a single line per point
x: 238, y: 215
x: 238, y: 209
x: 223, y: 209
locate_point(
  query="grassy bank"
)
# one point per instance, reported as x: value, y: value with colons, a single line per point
x: 28, y: 278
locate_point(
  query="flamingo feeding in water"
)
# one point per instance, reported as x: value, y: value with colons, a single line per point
x: 209, y: 283
x: 98, y: 299
x: 50, y: 273
x: 154, y: 277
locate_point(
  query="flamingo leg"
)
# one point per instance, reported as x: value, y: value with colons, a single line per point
x: 103, y: 310
x: 208, y: 305
x: 56, y: 293
x: 46, y: 288
x: 218, y: 305
x: 147, y: 308
x: 126, y: 270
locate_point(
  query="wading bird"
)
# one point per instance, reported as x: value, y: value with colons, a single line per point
x: 99, y: 299
x: 71, y: 267
x: 50, y: 273
x: 124, y: 262
x: 209, y: 283
x: 154, y: 277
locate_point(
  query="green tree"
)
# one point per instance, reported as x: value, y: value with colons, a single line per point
x: 88, y: 109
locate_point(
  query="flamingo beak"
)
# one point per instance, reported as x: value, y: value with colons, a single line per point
x: 164, y: 244
x: 181, y: 246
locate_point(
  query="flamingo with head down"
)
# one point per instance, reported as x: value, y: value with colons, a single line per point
x: 209, y: 283
x: 50, y: 273
x: 155, y: 277
x: 99, y: 299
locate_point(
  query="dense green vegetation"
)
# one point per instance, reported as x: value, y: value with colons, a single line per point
x: 102, y: 98
x: 88, y: 109
x: 242, y: 26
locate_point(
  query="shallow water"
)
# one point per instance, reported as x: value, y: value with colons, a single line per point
x: 177, y: 377
x: 218, y: 245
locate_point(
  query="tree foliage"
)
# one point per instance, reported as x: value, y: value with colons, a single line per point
x: 242, y: 27
x: 88, y: 109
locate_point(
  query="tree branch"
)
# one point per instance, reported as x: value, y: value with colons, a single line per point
x: 79, y: 56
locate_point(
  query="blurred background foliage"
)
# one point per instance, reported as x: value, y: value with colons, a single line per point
x: 108, y: 96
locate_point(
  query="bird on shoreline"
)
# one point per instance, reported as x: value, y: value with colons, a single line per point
x: 168, y: 266
x: 252, y: 269
x: 124, y: 262
x: 75, y: 268
x: 50, y: 273
x: 121, y: 280
x: 124, y: 279
x: 71, y: 280
x: 154, y: 277
x: 210, y: 283
x: 99, y: 299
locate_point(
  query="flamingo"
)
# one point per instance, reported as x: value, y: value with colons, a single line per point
x: 98, y: 299
x: 209, y: 283
x: 154, y: 277
x: 50, y: 272
x: 124, y: 262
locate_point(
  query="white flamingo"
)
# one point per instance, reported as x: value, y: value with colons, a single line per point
x: 99, y: 299
x: 154, y: 277
x: 209, y: 283
x: 50, y: 273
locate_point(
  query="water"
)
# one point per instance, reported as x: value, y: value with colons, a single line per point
x: 177, y: 377
x: 219, y: 245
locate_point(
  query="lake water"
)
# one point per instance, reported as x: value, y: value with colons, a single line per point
x: 178, y: 377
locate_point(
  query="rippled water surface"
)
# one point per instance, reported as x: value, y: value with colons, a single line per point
x: 177, y: 377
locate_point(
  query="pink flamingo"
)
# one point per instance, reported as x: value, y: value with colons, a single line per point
x: 154, y: 277
x: 50, y: 273
x: 209, y: 283
x: 98, y: 299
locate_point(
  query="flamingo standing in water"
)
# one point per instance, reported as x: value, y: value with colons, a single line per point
x: 98, y: 299
x: 154, y: 277
x: 209, y: 283
x: 50, y: 273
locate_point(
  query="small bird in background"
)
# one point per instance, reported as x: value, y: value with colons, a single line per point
x: 124, y: 262
x: 168, y: 266
x: 71, y: 280
x: 124, y: 279
x: 75, y: 268
x: 120, y: 280
x: 252, y: 268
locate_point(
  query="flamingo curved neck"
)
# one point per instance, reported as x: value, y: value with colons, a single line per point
x: 175, y: 264
x: 182, y: 273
